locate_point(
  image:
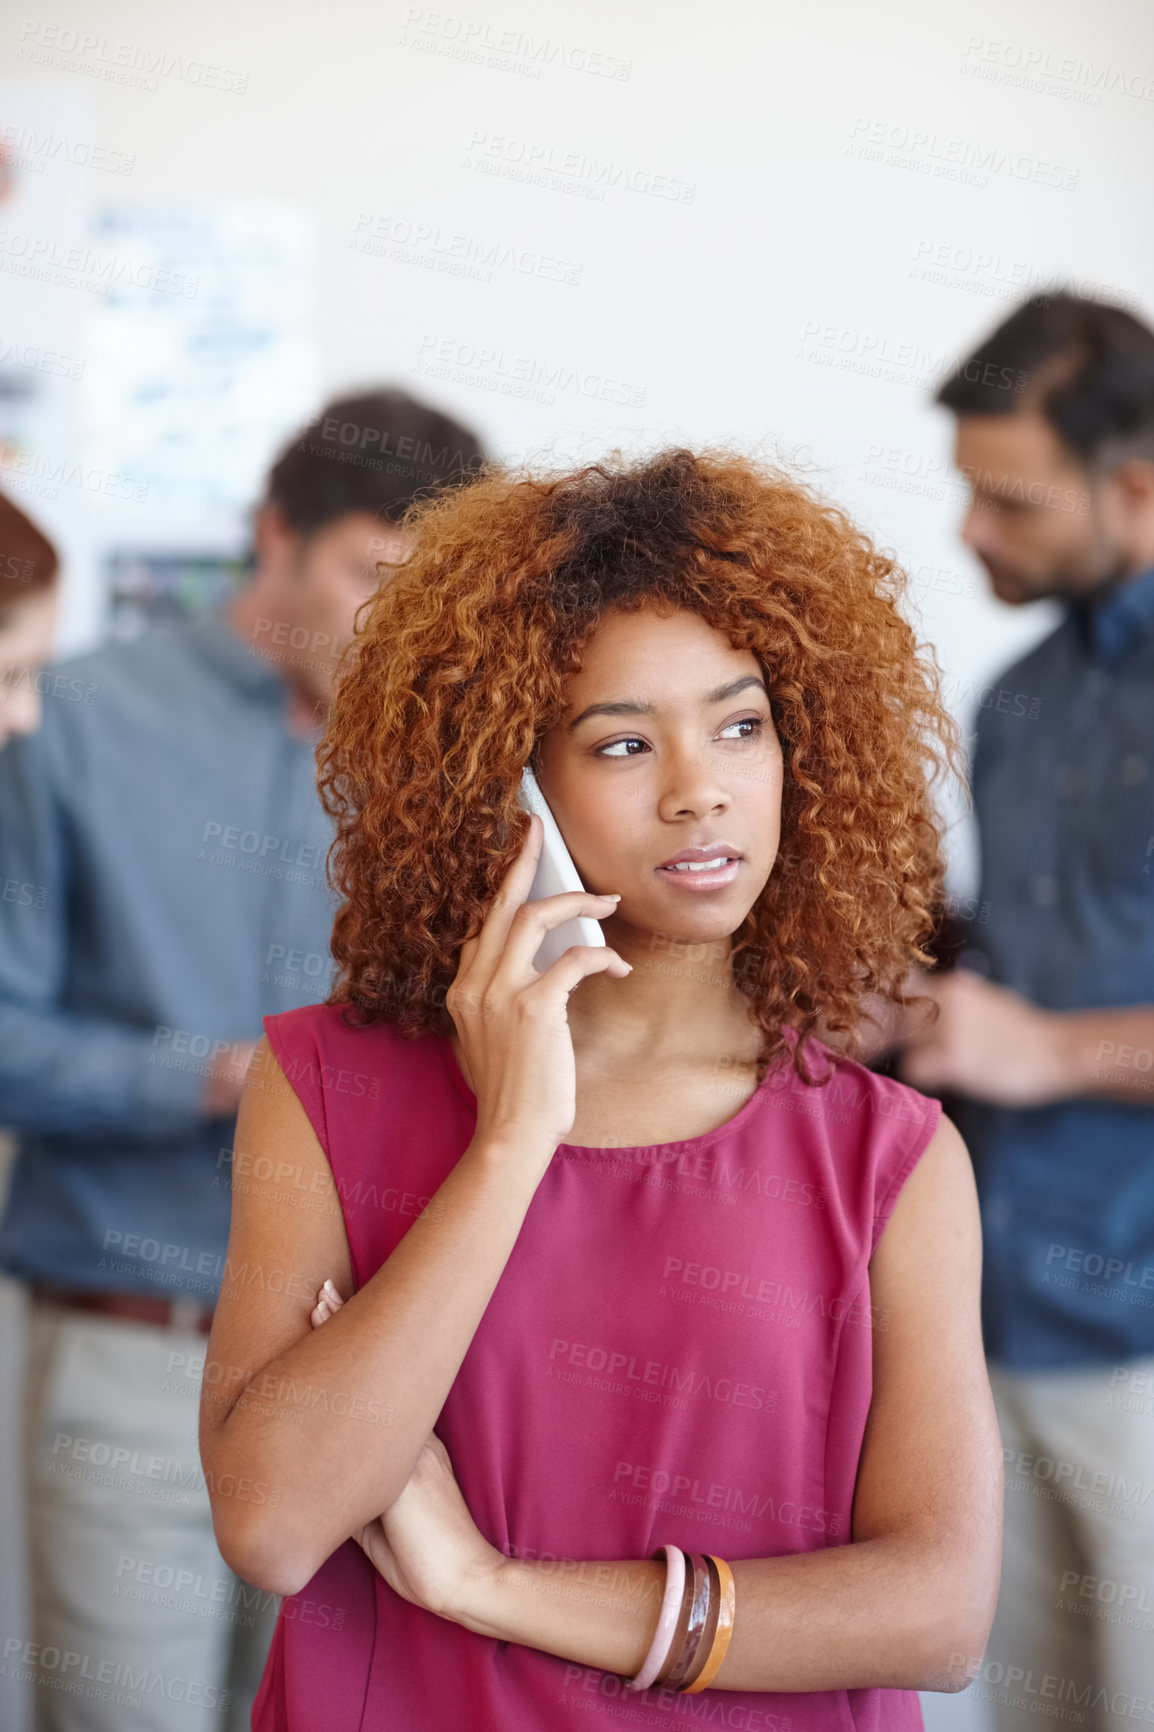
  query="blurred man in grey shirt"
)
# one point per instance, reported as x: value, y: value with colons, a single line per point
x: 168, y: 847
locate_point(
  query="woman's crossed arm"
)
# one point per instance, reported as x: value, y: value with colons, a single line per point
x: 303, y: 1441
x: 906, y: 1605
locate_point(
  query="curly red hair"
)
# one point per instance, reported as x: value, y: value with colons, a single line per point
x: 459, y: 670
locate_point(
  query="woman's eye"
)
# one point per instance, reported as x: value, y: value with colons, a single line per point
x: 756, y: 723
x: 604, y: 751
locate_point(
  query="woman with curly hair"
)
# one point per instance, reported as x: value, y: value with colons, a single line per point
x: 539, y: 1280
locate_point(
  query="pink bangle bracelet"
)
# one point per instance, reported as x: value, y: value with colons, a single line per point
x: 666, y: 1623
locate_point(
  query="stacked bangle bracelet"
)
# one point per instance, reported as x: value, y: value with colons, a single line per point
x: 694, y: 1625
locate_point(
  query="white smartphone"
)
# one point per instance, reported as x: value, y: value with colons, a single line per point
x: 555, y: 873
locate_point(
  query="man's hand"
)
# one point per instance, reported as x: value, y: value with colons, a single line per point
x: 224, y: 1080
x: 987, y: 1042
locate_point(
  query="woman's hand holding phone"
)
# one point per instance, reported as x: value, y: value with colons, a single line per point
x: 511, y: 1022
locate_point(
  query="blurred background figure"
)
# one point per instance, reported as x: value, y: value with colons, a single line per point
x: 29, y: 600
x: 28, y: 607
x: 1047, y: 1028
x: 165, y: 834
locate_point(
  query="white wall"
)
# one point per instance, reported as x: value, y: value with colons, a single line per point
x: 808, y: 213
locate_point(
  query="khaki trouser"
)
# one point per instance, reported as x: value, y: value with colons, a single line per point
x: 136, y: 1619
x: 1073, y: 1637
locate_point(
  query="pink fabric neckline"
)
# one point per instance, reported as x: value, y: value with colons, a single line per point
x: 618, y: 1149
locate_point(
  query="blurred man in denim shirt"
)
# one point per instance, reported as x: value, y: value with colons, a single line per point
x: 166, y: 820
x: 1050, y: 1033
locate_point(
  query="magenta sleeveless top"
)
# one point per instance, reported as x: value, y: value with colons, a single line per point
x: 679, y: 1349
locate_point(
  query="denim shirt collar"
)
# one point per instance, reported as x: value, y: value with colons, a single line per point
x: 1126, y: 614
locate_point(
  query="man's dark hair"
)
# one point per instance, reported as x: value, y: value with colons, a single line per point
x: 376, y: 452
x: 1087, y: 366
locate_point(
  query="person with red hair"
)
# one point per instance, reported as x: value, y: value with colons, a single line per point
x: 540, y: 1280
x: 29, y: 598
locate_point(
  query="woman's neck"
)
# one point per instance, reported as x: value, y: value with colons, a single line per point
x: 674, y: 1004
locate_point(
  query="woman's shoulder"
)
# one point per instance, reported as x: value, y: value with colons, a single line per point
x: 851, y: 1086
x: 838, y: 1079
x: 883, y: 1124
x: 326, y: 1056
x: 329, y: 1028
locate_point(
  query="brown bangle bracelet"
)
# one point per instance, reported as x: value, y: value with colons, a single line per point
x: 698, y: 1617
x: 705, y: 1645
x: 680, y: 1628
x: 727, y: 1605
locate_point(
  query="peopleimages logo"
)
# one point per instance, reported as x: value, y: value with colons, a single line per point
x: 928, y: 152
x: 1028, y: 67
x: 30, y: 149
x: 476, y: 256
x: 650, y: 1482
x: 88, y: 268
x: 41, y: 360
x: 649, y: 1377
x: 542, y: 163
x: 475, y: 40
x: 132, y: 63
x: 80, y: 1675
x: 513, y: 375
x: 1049, y: 1688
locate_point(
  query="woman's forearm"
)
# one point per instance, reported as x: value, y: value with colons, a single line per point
x: 875, y: 1614
x: 336, y: 1423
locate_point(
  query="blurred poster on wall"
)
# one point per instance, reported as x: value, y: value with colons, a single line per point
x: 203, y: 352
x: 45, y: 197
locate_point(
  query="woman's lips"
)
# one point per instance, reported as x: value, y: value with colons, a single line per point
x: 710, y: 879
